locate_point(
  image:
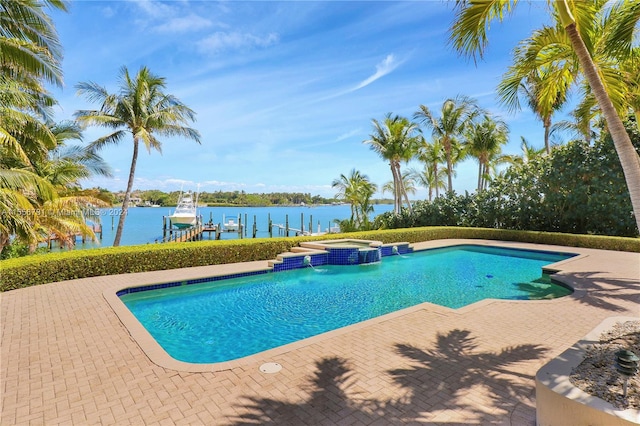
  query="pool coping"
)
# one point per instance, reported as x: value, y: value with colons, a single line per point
x: 159, y: 356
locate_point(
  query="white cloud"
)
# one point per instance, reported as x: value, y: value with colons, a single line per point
x: 388, y: 65
x: 108, y: 12
x: 348, y: 135
x: 184, y: 24
x: 155, y: 9
x: 221, y: 41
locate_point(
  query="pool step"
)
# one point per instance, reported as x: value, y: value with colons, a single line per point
x: 305, y: 250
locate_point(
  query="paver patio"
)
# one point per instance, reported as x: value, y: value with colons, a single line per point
x: 66, y: 358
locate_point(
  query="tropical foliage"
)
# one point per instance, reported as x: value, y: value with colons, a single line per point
x: 39, y: 172
x: 140, y: 108
x: 578, y: 189
x: 484, y: 141
x: 456, y: 115
x: 357, y: 190
x: 395, y: 140
x: 600, y: 37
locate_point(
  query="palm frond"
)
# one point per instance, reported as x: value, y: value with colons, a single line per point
x: 472, y: 22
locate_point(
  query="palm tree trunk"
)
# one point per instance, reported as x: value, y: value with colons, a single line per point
x: 435, y: 171
x: 403, y: 190
x: 621, y: 140
x: 4, y: 240
x: 447, y: 151
x: 547, y: 127
x: 396, y: 191
x: 127, y: 194
x: 479, y: 176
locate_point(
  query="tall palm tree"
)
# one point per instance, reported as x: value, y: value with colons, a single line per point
x: 140, y: 108
x: 30, y: 53
x: 484, y: 141
x: 357, y: 190
x: 455, y: 116
x: 469, y: 36
x: 395, y: 140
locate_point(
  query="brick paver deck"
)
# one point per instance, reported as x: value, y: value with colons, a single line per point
x: 68, y: 359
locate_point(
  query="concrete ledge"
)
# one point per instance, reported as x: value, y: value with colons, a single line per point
x: 558, y: 402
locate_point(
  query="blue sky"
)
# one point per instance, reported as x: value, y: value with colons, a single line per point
x: 284, y: 91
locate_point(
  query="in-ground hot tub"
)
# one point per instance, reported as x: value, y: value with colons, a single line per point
x: 354, y: 251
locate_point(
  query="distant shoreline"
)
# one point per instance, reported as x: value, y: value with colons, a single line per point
x: 253, y: 205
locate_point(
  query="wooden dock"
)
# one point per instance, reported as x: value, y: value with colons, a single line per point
x: 195, y: 233
x: 95, y: 227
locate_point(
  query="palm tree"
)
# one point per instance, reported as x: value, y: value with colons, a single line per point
x: 430, y: 178
x: 67, y: 164
x: 140, y: 108
x: 542, y: 74
x: 22, y: 192
x: 432, y: 155
x: 395, y: 140
x: 29, y: 53
x: 408, y: 182
x: 455, y: 116
x: 357, y: 190
x: 484, y: 141
x: 29, y: 43
x: 529, y: 153
x: 469, y: 36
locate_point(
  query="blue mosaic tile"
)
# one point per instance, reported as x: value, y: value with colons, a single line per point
x: 187, y: 282
x: 343, y: 256
x: 332, y: 256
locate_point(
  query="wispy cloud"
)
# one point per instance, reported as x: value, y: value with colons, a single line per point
x: 348, y: 135
x: 387, y: 66
x: 223, y: 41
x: 170, y: 18
x: 154, y: 9
x: 184, y: 24
x: 107, y: 12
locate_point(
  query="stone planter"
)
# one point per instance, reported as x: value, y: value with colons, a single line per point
x: 558, y: 402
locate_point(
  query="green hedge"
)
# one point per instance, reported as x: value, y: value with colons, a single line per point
x: 41, y: 269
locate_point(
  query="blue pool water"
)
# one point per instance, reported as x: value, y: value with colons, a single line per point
x: 228, y: 319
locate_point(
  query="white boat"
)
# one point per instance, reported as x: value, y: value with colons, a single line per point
x: 185, y: 215
x: 231, y: 225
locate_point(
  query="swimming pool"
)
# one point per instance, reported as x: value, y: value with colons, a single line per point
x: 222, y: 320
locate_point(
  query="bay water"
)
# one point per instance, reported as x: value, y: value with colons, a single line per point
x: 144, y: 225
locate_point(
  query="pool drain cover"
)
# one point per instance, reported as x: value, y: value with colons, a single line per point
x: 270, y: 367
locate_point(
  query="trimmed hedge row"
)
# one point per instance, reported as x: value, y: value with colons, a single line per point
x: 41, y: 269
